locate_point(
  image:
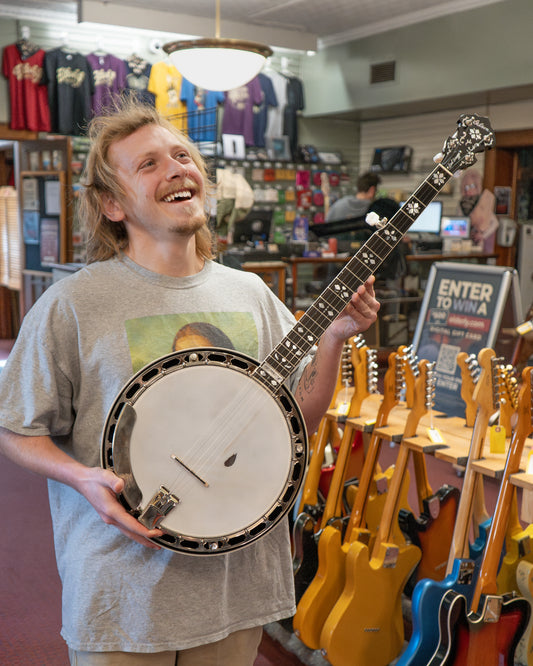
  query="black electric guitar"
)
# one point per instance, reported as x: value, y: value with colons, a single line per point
x: 236, y: 469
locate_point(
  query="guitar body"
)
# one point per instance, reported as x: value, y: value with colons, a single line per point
x: 487, y: 639
x: 323, y: 590
x: 432, y: 532
x: 524, y: 649
x: 327, y: 586
x: 519, y: 548
x: 425, y: 605
x: 366, y: 624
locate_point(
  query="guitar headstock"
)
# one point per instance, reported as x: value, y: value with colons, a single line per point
x: 411, y: 372
x: 474, y: 134
x: 485, y: 392
x: 470, y: 371
x: 424, y: 394
x: 393, y: 382
x: 507, y: 396
x: 372, y: 370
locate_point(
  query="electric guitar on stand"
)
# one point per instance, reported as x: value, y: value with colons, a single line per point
x: 487, y: 630
x: 366, y: 623
x: 326, y: 587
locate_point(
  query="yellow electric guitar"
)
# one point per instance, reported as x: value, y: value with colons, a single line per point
x: 366, y: 624
x: 326, y: 587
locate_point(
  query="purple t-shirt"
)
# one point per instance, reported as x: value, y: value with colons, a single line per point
x: 239, y: 110
x: 109, y: 74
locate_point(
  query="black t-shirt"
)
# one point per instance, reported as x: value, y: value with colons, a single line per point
x: 69, y: 78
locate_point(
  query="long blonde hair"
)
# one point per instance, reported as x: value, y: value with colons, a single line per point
x: 105, y: 238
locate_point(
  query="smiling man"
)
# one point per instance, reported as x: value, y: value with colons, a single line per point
x: 150, y: 274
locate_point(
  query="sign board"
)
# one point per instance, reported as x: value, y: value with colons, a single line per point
x: 463, y: 310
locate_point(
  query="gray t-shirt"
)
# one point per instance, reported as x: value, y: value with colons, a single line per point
x: 346, y: 208
x: 78, y: 346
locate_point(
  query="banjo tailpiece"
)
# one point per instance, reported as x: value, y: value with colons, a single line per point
x: 158, y: 507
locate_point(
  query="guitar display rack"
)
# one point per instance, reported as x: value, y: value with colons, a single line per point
x: 451, y: 446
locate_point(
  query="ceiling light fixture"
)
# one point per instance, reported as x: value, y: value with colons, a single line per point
x: 215, y: 63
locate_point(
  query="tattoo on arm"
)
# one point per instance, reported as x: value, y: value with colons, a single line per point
x: 308, y: 379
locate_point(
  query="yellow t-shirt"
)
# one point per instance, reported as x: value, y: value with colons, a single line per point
x: 165, y: 84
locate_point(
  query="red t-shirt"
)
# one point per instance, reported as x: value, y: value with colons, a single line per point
x: 28, y: 98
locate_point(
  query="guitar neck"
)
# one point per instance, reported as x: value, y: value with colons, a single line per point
x: 484, y: 396
x: 286, y: 356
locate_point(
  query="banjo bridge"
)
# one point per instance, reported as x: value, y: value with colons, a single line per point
x: 158, y: 507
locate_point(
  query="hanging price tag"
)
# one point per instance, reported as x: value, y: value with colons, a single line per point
x: 435, y: 436
x: 497, y: 439
x: 344, y: 400
x: 524, y: 328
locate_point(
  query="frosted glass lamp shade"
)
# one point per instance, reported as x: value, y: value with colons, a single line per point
x: 218, y: 64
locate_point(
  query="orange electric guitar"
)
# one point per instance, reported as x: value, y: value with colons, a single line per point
x: 487, y: 630
x: 326, y: 587
x: 366, y: 624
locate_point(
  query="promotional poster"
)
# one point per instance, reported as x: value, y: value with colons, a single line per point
x: 461, y: 312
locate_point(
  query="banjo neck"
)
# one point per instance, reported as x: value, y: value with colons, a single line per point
x: 286, y: 356
x: 473, y: 135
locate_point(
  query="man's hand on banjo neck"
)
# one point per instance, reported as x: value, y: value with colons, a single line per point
x: 318, y: 380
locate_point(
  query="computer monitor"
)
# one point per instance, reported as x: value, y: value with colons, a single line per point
x: 455, y: 227
x: 428, y: 222
x: 254, y: 227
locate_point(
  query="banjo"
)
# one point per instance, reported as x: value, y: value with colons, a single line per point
x: 215, y: 482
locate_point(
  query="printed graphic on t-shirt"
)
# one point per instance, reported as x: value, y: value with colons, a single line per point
x: 152, y: 337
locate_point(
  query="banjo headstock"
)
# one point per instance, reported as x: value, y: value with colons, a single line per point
x: 473, y: 135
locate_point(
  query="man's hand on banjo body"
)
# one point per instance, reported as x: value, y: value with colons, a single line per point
x: 320, y: 376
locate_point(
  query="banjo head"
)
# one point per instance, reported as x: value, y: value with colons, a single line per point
x: 209, y: 452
